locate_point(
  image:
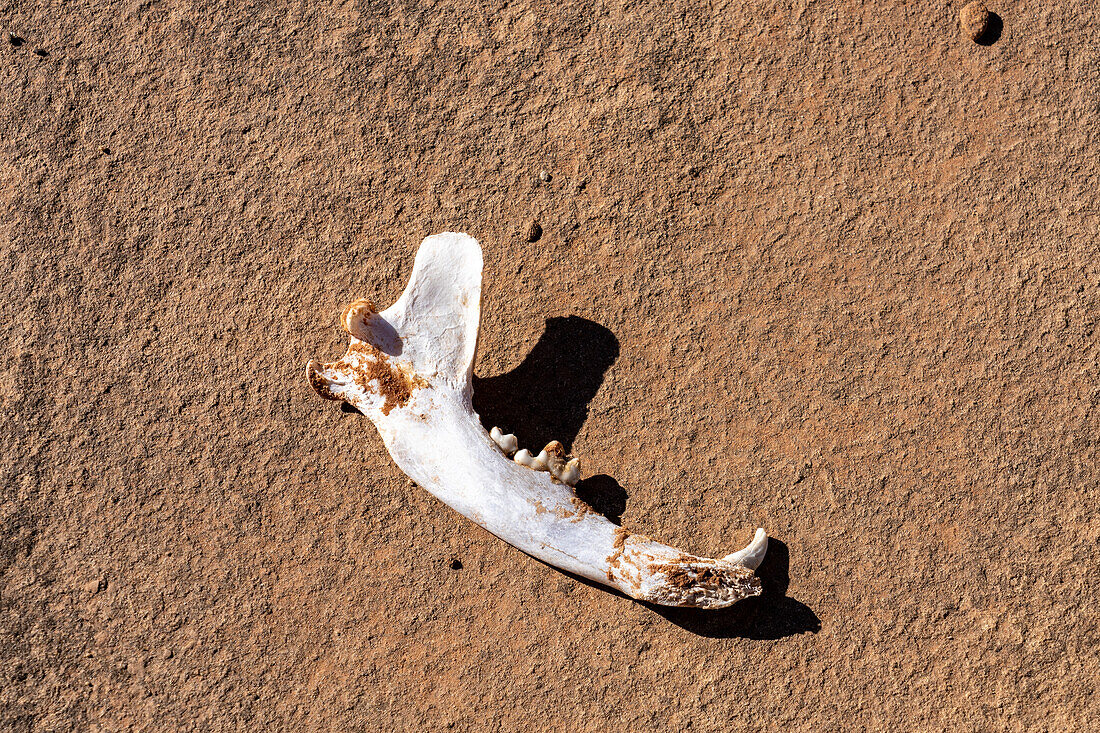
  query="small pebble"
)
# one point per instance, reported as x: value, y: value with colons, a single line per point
x: 106, y: 151
x: 976, y: 21
x: 41, y: 52
x: 456, y: 564
x: 15, y: 40
x: 544, y: 176
x: 534, y: 231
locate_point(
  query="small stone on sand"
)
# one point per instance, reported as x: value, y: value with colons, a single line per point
x: 544, y: 176
x: 534, y: 231
x: 976, y: 20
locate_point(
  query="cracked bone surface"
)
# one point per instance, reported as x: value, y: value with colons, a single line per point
x: 410, y: 368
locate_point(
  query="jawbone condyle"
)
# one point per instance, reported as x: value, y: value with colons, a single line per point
x: 409, y: 369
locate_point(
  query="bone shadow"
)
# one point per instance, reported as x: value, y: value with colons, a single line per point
x: 603, y: 493
x: 546, y: 397
x: 992, y: 32
x: 380, y: 332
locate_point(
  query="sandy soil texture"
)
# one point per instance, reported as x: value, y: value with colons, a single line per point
x: 828, y: 268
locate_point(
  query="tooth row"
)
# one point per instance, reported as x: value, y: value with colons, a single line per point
x: 550, y: 459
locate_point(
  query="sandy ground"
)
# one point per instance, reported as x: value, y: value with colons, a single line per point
x: 827, y: 268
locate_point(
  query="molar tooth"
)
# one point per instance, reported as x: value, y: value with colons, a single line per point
x: 535, y: 463
x: 507, y: 443
x: 553, y: 454
x: 554, y: 448
x: 554, y: 457
x: 571, y: 473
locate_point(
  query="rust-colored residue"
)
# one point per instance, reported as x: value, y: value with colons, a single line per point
x: 395, y: 385
x: 555, y: 449
x: 684, y: 577
x: 320, y: 386
x: 619, y: 544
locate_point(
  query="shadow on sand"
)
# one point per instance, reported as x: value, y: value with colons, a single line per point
x: 546, y: 397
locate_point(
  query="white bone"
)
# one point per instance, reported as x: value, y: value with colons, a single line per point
x: 507, y: 443
x: 409, y: 369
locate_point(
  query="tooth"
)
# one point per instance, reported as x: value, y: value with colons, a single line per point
x: 507, y: 443
x: 553, y: 455
x: 416, y: 388
x: 524, y: 458
x: 571, y: 474
x: 753, y: 554
x: 542, y: 460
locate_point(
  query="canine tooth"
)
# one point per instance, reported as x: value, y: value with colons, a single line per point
x: 753, y: 554
x: 415, y: 383
x: 507, y: 443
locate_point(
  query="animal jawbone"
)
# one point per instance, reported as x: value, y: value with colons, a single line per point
x: 409, y: 369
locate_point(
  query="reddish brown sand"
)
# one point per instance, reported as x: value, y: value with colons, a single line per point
x: 841, y: 264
